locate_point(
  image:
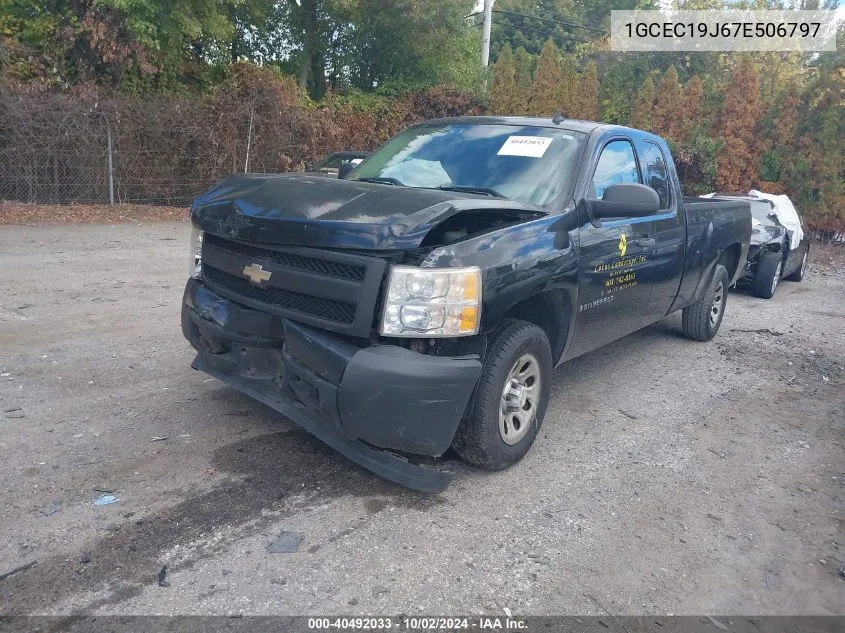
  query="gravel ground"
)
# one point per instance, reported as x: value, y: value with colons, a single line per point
x: 670, y: 476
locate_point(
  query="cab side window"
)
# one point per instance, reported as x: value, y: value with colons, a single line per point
x: 657, y: 175
x: 617, y: 166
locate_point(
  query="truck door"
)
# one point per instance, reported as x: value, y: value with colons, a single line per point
x: 667, y: 256
x: 614, y: 281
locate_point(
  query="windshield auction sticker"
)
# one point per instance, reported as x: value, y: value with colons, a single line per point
x: 725, y: 30
x: 530, y: 146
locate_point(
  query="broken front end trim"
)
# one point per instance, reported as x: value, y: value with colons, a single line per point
x: 368, y: 403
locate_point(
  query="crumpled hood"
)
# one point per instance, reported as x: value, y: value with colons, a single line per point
x: 307, y: 210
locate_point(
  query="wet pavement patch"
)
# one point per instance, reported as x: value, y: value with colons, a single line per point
x: 286, y: 543
x: 264, y: 471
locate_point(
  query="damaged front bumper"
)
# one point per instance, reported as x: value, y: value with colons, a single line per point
x: 368, y: 403
x: 755, y: 253
x: 749, y: 271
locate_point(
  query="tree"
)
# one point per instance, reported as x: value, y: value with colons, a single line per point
x: 587, y: 99
x: 412, y: 44
x: 693, y: 147
x: 667, y: 105
x: 738, y: 161
x: 530, y: 32
x: 546, y: 87
x: 823, y: 123
x: 786, y: 161
x: 307, y: 18
x: 119, y: 43
x: 621, y: 76
x: 169, y: 29
x: 503, y: 90
x: 691, y: 104
x: 641, y: 116
x: 524, y: 77
x: 567, y: 98
x: 698, y: 171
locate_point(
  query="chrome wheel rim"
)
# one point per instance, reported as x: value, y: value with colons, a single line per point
x: 776, y: 277
x: 520, y: 397
x: 718, y: 304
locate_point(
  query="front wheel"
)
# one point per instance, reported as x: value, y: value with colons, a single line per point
x: 701, y: 320
x: 510, y: 401
x: 768, y: 275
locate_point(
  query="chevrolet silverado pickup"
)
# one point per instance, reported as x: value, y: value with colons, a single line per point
x: 422, y: 301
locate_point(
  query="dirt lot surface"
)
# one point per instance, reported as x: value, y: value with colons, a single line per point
x: 670, y: 476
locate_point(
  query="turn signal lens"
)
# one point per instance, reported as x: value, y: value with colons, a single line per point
x: 469, y: 320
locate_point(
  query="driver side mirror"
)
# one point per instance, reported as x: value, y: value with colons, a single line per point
x: 631, y: 200
x: 345, y: 170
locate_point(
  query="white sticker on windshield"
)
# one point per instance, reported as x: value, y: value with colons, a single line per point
x: 531, y: 146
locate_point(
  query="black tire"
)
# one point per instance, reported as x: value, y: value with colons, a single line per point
x: 479, y: 440
x: 768, y: 275
x: 798, y: 275
x: 701, y: 320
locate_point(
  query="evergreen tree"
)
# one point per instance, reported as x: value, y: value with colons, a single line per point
x: 524, y: 78
x: 784, y: 162
x: 504, y: 83
x: 544, y: 91
x: 691, y: 105
x: 667, y: 106
x: 824, y: 118
x: 567, y: 99
x: 693, y: 148
x: 641, y: 116
x: 588, y: 93
x: 738, y: 161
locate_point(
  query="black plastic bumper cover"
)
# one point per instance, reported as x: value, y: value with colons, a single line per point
x: 363, y: 402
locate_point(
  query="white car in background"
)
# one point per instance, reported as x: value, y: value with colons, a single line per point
x: 779, y: 250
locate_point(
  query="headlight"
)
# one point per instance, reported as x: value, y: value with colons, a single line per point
x: 195, y: 263
x: 432, y: 302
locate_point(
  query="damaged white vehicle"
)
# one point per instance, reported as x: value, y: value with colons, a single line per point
x: 779, y: 249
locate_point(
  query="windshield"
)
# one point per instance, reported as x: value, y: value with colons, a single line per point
x: 529, y: 164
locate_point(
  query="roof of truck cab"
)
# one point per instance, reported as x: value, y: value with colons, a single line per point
x: 575, y: 125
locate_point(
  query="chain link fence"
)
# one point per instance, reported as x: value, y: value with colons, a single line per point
x: 54, y: 151
x: 59, y: 148
x: 88, y: 146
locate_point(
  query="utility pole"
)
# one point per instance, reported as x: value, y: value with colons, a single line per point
x: 485, y: 33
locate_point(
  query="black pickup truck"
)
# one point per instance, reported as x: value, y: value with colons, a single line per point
x: 422, y: 302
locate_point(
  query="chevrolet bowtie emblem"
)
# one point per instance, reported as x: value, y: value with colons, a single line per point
x: 256, y: 274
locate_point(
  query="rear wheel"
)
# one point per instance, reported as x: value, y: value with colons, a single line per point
x: 701, y: 320
x: 768, y: 275
x: 510, y: 401
x: 798, y: 275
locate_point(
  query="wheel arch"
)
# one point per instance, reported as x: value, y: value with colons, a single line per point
x: 729, y: 258
x: 551, y: 311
